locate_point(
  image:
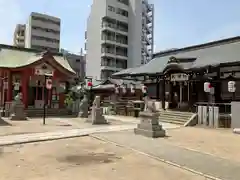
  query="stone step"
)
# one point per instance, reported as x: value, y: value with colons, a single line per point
x: 177, y: 113
x: 172, y: 122
x: 173, y: 118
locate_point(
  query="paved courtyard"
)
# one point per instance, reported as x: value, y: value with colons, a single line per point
x: 164, y: 149
x: 221, y: 143
x: 35, y: 125
x: 83, y: 158
x: 211, y: 152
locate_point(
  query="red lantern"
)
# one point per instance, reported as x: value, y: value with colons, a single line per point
x: 89, y: 84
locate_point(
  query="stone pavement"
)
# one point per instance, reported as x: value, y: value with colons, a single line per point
x: 133, y: 120
x: 45, y: 136
x: 60, y: 134
x: 195, y: 161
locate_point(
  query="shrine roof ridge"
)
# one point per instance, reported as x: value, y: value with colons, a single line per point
x: 214, y: 54
x: 198, y: 46
x: 6, y: 46
x: 16, y: 57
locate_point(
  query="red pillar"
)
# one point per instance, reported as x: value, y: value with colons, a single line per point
x: 10, y: 85
x: 1, y: 85
x: 24, y: 84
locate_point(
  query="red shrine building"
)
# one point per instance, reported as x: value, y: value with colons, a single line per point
x: 24, y: 70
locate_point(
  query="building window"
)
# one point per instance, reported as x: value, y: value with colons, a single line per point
x: 46, y: 20
x: 45, y: 39
x: 122, y: 12
x: 126, y: 2
x: 46, y: 30
x: 111, y: 8
x: 77, y: 60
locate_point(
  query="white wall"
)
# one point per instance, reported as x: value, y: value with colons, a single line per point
x: 93, y: 44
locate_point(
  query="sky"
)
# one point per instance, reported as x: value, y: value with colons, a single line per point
x: 178, y: 23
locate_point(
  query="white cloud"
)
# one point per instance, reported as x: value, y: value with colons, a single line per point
x: 10, y: 15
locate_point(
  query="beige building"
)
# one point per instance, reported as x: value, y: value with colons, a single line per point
x: 19, y: 35
x: 43, y: 32
x: 119, y: 36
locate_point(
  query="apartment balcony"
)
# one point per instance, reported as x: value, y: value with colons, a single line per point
x: 45, y: 34
x: 108, y: 40
x: 109, y: 54
x: 114, y: 15
x: 121, y: 44
x: 114, y: 28
x: 39, y: 23
x: 113, y: 41
x: 121, y: 56
x: 111, y: 68
x: 20, y: 37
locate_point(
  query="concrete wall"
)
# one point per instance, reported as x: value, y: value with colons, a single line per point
x: 93, y: 41
x: 235, y: 110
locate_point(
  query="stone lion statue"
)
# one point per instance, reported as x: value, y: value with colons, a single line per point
x: 97, y: 102
x: 150, y: 105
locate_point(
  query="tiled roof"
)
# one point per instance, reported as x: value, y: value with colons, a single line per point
x: 211, y: 55
x: 14, y: 58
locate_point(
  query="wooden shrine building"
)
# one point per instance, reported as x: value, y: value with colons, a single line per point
x: 176, y: 77
x: 23, y: 70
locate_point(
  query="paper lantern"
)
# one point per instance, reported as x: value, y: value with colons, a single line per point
x: 231, y: 86
x: 132, y: 89
x: 207, y: 87
x: 49, y: 84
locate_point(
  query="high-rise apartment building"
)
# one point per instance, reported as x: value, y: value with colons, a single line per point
x: 119, y: 35
x: 19, y: 35
x: 43, y: 32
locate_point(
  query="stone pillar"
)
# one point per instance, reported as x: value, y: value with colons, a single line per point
x: 24, y: 84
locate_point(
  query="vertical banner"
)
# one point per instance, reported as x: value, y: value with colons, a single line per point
x: 200, y: 121
x: 204, y: 115
x: 210, y: 116
x: 216, y: 116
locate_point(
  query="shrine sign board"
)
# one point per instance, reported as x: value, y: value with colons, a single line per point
x: 179, y: 77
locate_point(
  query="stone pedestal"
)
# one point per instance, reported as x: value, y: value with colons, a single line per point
x: 149, y: 125
x: 97, y: 116
x: 83, y: 114
x: 83, y: 108
x: 18, y: 112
